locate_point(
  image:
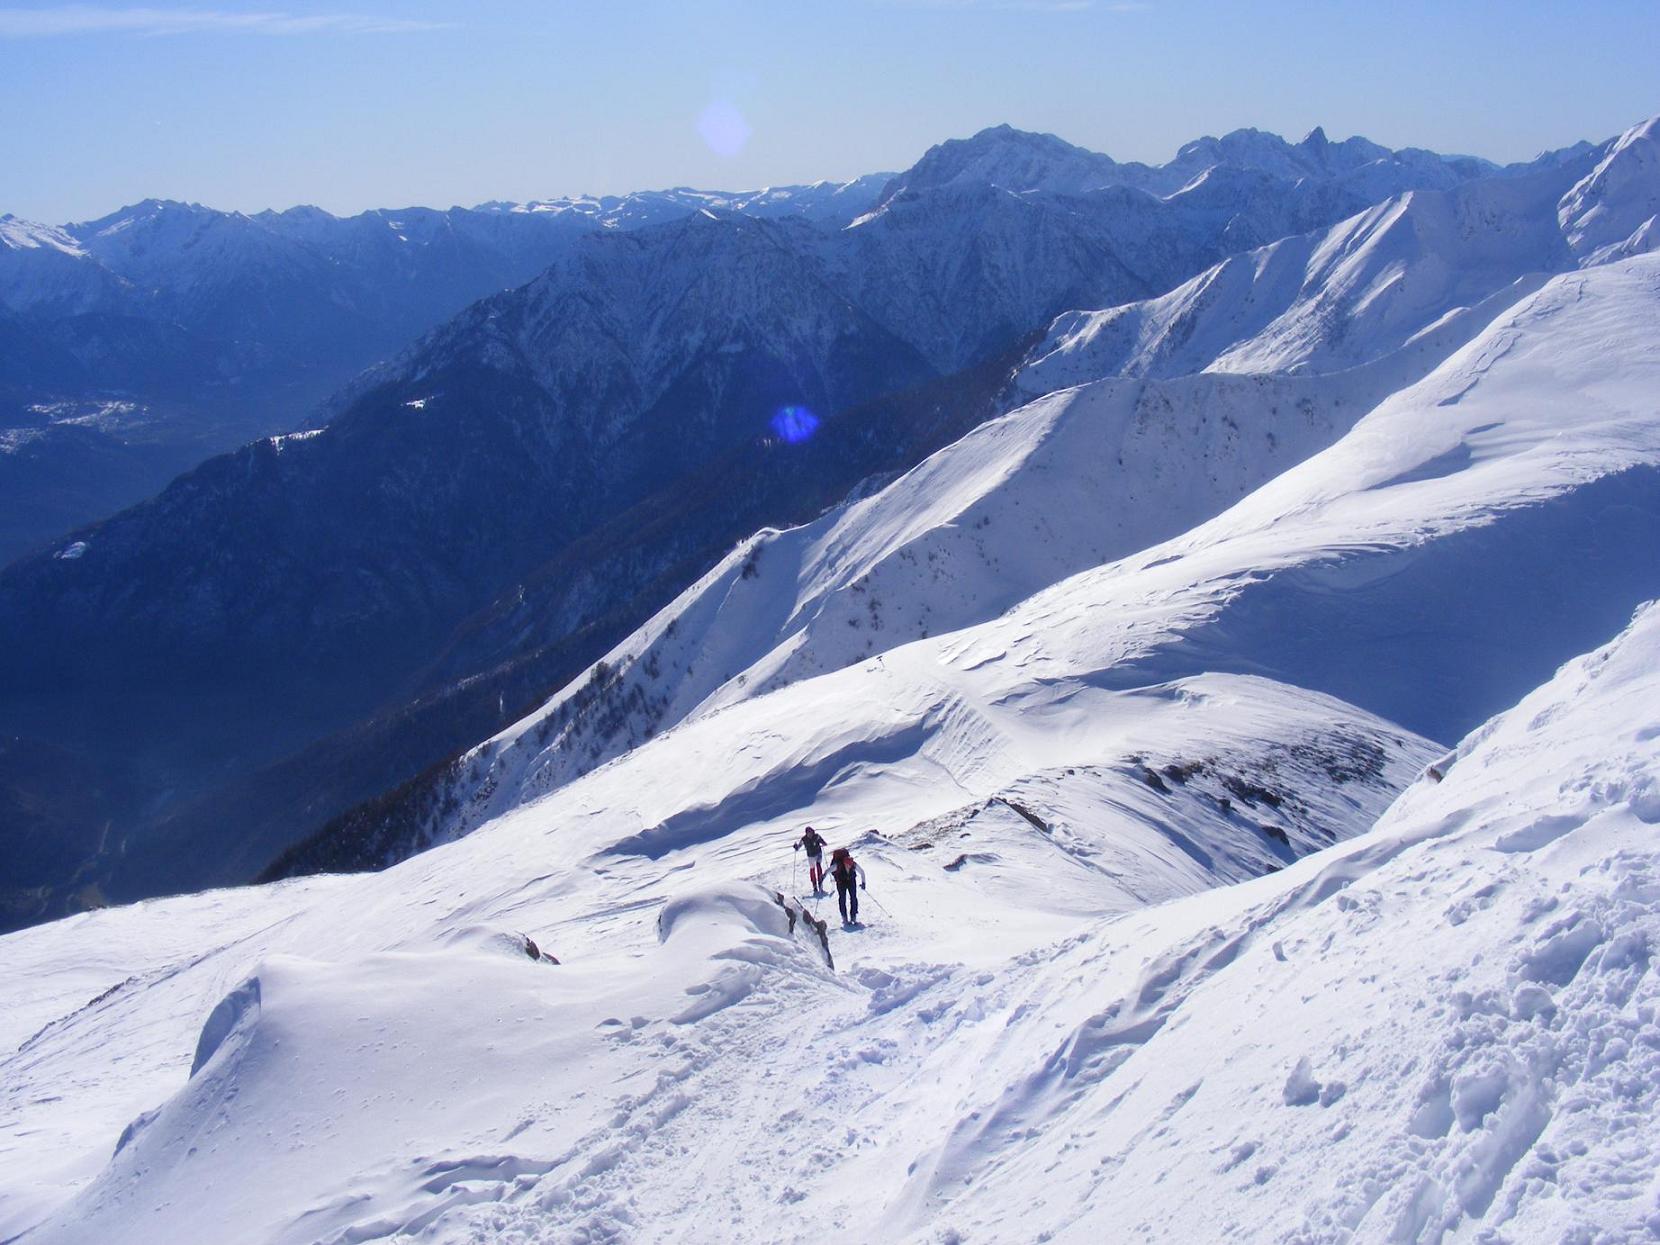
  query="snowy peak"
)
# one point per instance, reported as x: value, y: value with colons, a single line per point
x: 1315, y: 155
x: 1009, y: 159
x: 152, y: 218
x: 1022, y: 163
x: 1351, y: 153
x: 1375, y: 283
x: 1613, y: 210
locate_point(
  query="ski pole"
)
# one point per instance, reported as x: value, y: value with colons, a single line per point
x: 876, y: 901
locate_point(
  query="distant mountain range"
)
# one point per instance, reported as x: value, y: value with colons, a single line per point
x: 207, y: 329
x: 464, y: 528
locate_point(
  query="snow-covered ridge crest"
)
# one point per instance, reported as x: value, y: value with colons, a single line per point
x: 1017, y: 505
x: 1424, y: 269
x: 600, y: 356
x: 1389, y: 1033
x: 1612, y: 210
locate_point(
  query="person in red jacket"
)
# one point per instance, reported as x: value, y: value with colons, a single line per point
x: 846, y: 871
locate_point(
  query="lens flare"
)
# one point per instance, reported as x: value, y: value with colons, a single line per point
x: 794, y: 424
x: 723, y: 129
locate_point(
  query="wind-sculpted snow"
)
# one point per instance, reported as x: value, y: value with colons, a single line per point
x: 1444, y: 1032
x: 354, y: 977
x: 1442, y: 1025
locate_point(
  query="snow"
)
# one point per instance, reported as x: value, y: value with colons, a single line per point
x: 282, y: 441
x: 1252, y: 853
x: 1010, y: 509
x: 1444, y: 1030
x: 45, y: 268
x: 1372, y: 284
x: 1448, y: 1022
x: 18, y: 234
x: 14, y: 439
x: 1473, y: 489
x: 828, y: 202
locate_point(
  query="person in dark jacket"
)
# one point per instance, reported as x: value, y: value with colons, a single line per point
x: 813, y: 841
x: 846, y: 871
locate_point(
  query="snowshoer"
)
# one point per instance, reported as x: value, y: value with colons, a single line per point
x: 813, y: 841
x: 847, y: 871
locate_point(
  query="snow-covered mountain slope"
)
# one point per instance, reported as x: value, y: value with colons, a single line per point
x: 985, y: 1016
x: 1062, y: 485
x: 1444, y: 1030
x: 1016, y: 1038
x: 1442, y: 1025
x: 1506, y: 503
x: 1613, y: 209
x: 1425, y: 270
x: 953, y: 267
x: 43, y: 269
x: 971, y: 869
x: 527, y: 423
x: 984, y: 234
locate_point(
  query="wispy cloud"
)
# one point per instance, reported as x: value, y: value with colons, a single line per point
x: 76, y: 19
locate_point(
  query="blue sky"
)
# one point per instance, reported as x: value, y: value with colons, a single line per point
x: 357, y: 103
